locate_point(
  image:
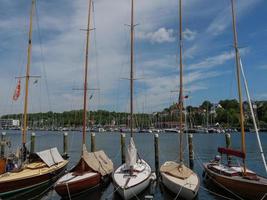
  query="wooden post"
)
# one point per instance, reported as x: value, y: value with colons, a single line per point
x: 228, y: 145
x: 3, y: 140
x: 156, y: 147
x: 32, y: 142
x: 65, y: 144
x: 191, y: 152
x: 122, y: 148
x: 92, y: 142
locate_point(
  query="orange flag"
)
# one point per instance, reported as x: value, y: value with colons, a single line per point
x: 17, y: 92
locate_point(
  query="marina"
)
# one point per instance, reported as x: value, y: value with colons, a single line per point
x: 160, y: 111
x: 203, y: 152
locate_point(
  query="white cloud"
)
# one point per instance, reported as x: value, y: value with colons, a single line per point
x: 189, y: 34
x: 191, y: 52
x: 160, y: 36
x: 213, y: 61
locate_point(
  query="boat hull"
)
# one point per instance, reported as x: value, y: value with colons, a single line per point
x: 184, y: 193
x: 248, y: 189
x: 23, y: 186
x: 128, y: 193
x: 135, y: 189
x: 69, y: 186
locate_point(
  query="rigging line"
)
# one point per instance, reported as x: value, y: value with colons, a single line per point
x: 216, y: 194
x: 96, y: 56
x: 252, y: 114
x: 42, y: 56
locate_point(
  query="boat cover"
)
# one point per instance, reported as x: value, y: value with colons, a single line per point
x: 131, y: 154
x: 50, y: 156
x: 176, y: 170
x: 98, y: 161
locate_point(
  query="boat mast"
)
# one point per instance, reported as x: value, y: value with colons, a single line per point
x: 237, y: 57
x: 85, y: 75
x: 27, y: 77
x: 131, y: 71
x: 181, y: 83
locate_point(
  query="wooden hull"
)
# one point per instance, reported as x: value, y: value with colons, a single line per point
x: 245, y: 188
x: 71, y: 184
x: 17, y: 186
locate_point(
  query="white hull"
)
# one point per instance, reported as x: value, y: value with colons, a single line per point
x: 183, y: 188
x: 138, y: 183
x: 129, y: 193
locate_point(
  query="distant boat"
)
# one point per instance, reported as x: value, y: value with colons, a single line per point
x: 171, y: 130
x: 28, y: 172
x: 94, y: 168
x: 134, y: 176
x: 175, y: 176
x: 237, y: 179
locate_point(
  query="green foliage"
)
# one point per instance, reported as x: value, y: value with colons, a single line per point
x: 227, y: 115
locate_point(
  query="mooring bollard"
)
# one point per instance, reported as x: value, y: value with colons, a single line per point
x: 32, y: 142
x: 92, y: 142
x: 191, y: 152
x: 3, y: 140
x: 156, y: 147
x: 228, y: 145
x: 65, y: 144
x: 122, y: 148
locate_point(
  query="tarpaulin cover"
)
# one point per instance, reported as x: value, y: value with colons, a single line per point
x: 176, y: 170
x: 98, y: 161
x: 50, y: 157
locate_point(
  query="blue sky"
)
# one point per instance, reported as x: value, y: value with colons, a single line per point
x: 58, y: 52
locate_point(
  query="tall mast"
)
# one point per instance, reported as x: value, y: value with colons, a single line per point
x: 237, y: 58
x: 85, y: 75
x: 131, y: 71
x: 27, y: 77
x: 181, y: 83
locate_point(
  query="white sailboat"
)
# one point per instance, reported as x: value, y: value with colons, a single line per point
x: 177, y: 177
x: 134, y: 176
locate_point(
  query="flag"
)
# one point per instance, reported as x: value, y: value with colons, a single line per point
x: 17, y: 92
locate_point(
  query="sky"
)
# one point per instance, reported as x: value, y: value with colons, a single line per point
x: 58, y: 53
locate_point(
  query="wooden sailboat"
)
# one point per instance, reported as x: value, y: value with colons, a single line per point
x: 236, y: 179
x: 134, y: 176
x: 177, y: 177
x: 35, y: 170
x: 94, y: 168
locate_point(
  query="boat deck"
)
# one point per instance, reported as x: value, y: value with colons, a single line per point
x: 141, y: 172
x: 31, y: 170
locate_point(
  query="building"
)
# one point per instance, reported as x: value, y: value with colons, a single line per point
x: 9, y: 123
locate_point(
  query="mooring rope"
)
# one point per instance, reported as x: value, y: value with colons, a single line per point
x: 114, y: 191
x: 67, y: 185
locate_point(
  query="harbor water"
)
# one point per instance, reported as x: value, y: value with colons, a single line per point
x: 205, y: 149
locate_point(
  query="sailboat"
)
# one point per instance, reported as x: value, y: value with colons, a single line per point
x: 93, y: 168
x: 25, y: 173
x: 135, y: 175
x: 177, y: 177
x: 237, y: 179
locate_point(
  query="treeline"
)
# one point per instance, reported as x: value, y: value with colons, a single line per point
x: 74, y: 118
x: 225, y: 113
